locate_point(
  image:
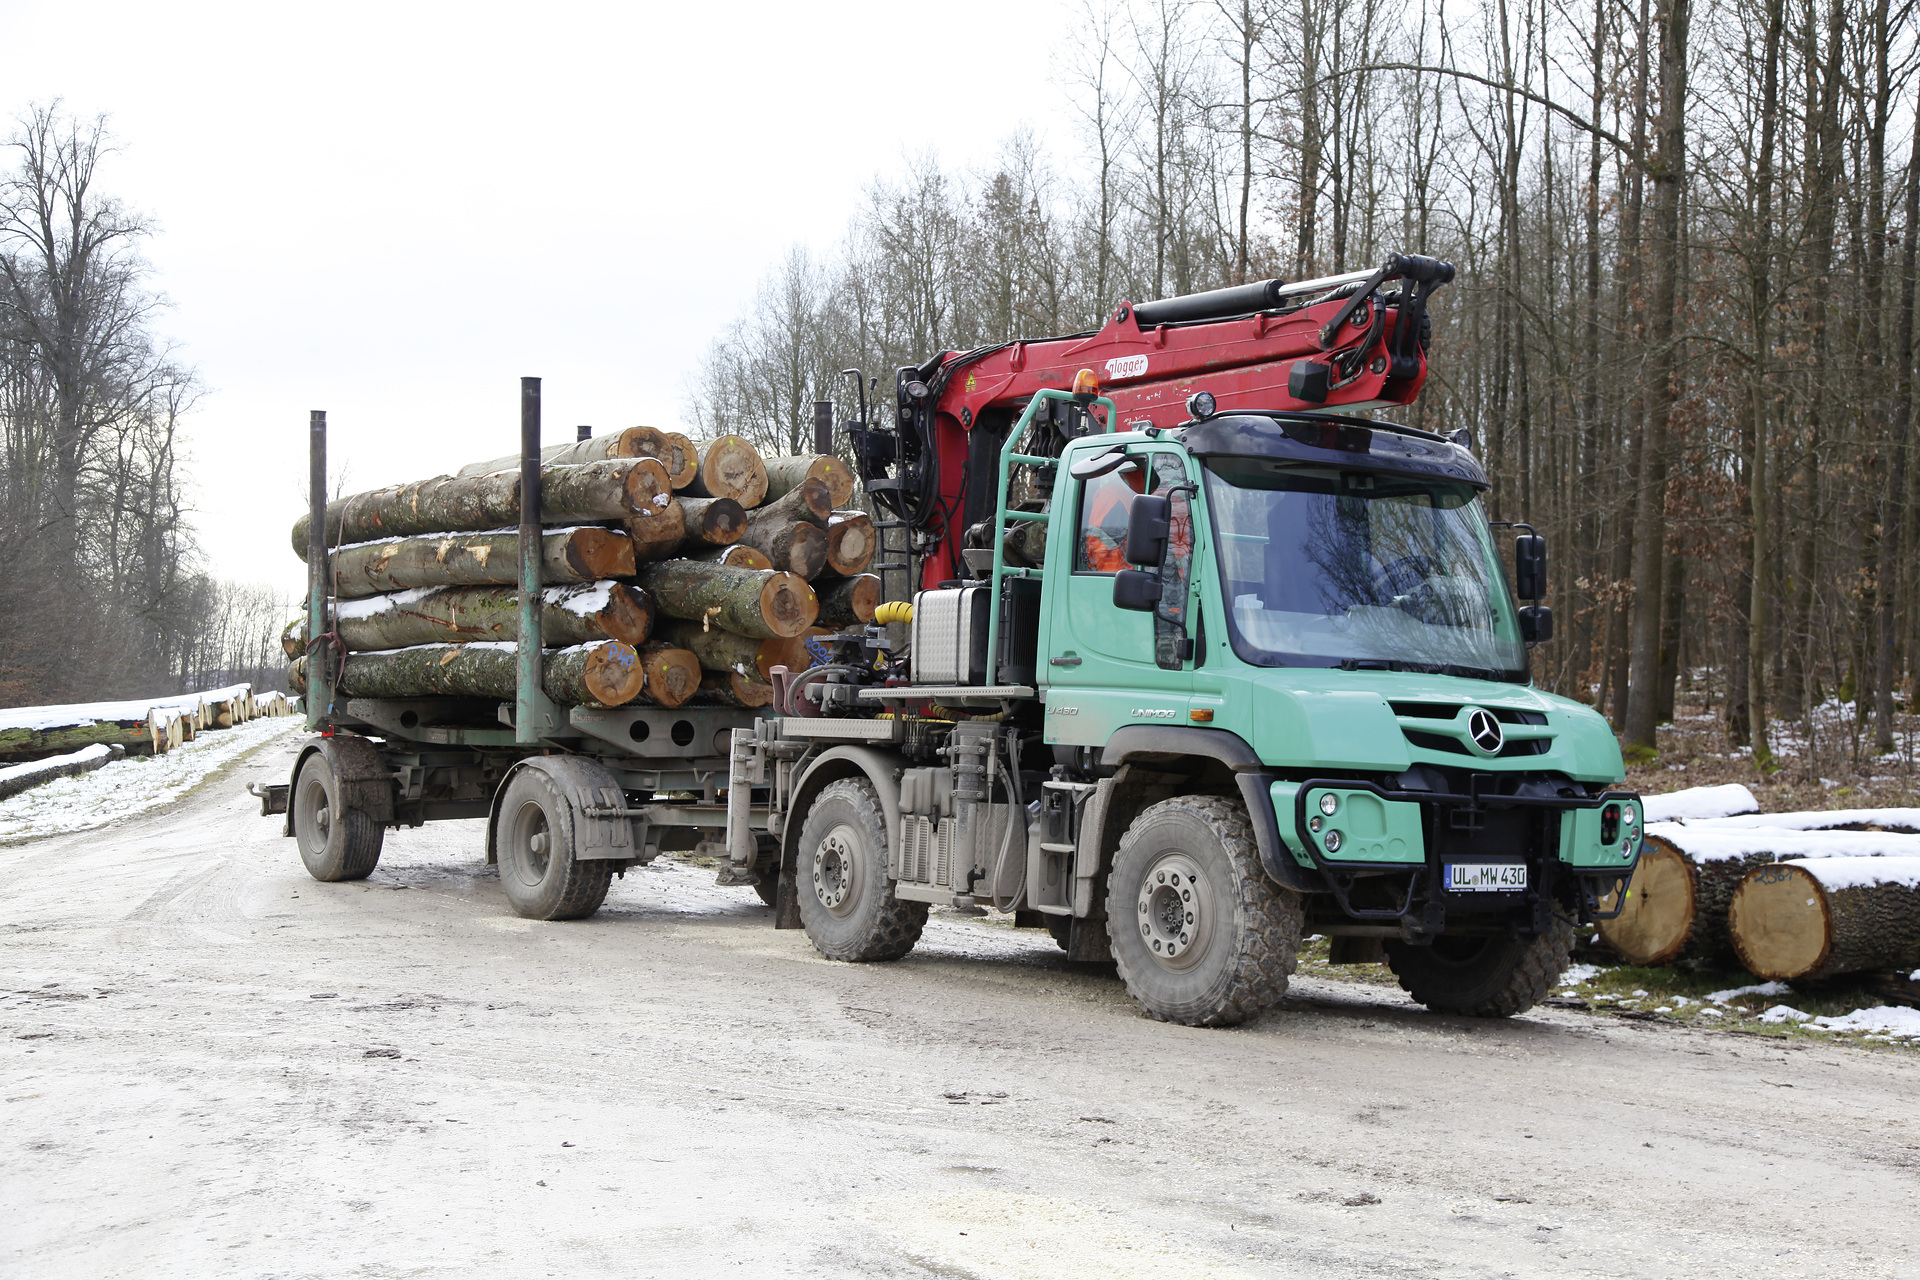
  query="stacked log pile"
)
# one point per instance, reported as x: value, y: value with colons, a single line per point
x: 1787, y: 895
x: 144, y: 726
x: 673, y: 570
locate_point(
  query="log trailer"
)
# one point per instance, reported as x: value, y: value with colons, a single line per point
x: 1182, y: 661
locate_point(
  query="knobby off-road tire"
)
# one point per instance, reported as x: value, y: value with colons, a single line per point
x: 1482, y: 977
x: 534, y: 843
x: 336, y: 842
x: 847, y: 904
x: 1199, y: 933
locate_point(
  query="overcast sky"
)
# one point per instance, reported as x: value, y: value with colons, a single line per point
x: 393, y: 211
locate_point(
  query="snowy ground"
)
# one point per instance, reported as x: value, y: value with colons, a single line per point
x: 135, y: 785
x: 212, y: 1066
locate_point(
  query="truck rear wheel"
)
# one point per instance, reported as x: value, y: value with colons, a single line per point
x: 534, y: 842
x: 337, y: 842
x: 847, y: 903
x: 1200, y: 935
x: 1482, y: 977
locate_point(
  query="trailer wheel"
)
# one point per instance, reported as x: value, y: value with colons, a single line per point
x: 534, y: 843
x: 1199, y: 933
x: 337, y: 842
x: 1482, y: 977
x: 847, y: 903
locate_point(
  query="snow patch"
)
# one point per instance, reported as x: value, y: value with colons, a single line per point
x: 1901, y: 1023
x: 133, y: 785
x: 1759, y: 989
x: 1700, y: 802
x: 1904, y: 821
x: 356, y: 610
x: 583, y: 599
x: 1716, y: 844
x: 1580, y: 973
x: 1861, y: 873
x: 1785, y: 1013
x: 10, y: 772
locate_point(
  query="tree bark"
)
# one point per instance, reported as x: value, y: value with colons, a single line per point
x: 724, y: 651
x: 739, y: 555
x: 729, y: 467
x: 673, y: 675
x: 595, y: 491
x: 786, y: 474
x: 478, y: 559
x: 569, y: 615
x: 851, y: 542
x: 1815, y: 918
x: 713, y: 522
x: 745, y: 601
x: 849, y: 602
x: 606, y: 673
x: 634, y: 442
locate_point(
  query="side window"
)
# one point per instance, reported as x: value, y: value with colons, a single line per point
x: 1176, y: 570
x: 1101, y: 544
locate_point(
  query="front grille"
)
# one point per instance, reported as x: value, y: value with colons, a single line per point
x: 1436, y: 742
x: 1425, y: 710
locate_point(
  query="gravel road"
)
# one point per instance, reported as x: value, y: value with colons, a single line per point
x: 211, y: 1065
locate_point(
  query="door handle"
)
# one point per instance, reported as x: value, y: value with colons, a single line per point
x: 1065, y: 660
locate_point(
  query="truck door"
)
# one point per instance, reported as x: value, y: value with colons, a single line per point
x: 1108, y: 667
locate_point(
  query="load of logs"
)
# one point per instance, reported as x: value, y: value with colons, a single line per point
x: 1789, y: 896
x: 673, y: 571
x: 38, y: 744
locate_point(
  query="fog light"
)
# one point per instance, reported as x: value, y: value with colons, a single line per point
x: 1333, y: 842
x: 1329, y: 804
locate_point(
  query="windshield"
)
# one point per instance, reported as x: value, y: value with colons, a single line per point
x: 1324, y: 567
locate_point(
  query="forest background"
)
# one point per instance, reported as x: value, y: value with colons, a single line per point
x: 1682, y: 333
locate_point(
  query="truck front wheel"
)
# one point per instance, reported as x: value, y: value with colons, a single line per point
x: 1482, y: 977
x: 337, y: 841
x: 1200, y: 935
x: 534, y: 843
x: 847, y: 904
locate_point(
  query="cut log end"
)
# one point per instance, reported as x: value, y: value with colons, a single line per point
x: 629, y: 614
x: 730, y: 467
x: 788, y: 604
x: 1654, y: 926
x: 850, y: 546
x: 612, y: 675
x: 1780, y: 922
x: 734, y: 690
x: 672, y: 675
x: 714, y: 522
x: 600, y: 553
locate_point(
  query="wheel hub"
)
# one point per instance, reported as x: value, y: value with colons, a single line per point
x: 835, y: 871
x: 1172, y: 910
x: 534, y: 843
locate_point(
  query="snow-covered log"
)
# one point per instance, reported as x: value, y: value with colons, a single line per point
x: 16, y: 778
x: 1818, y: 917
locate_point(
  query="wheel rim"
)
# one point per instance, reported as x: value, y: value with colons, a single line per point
x: 313, y: 811
x: 532, y: 841
x: 836, y: 871
x: 1174, y: 912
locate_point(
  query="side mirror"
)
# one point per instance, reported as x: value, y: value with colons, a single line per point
x: 1536, y: 624
x: 1529, y: 566
x: 1136, y: 589
x: 1148, y: 520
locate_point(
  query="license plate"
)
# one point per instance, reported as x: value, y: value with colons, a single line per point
x: 1486, y: 877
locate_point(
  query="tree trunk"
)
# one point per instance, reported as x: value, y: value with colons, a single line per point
x: 745, y: 601
x: 734, y: 690
x: 724, y: 651
x: 739, y: 555
x: 25, y: 744
x: 1818, y: 917
x: 606, y: 673
x: 851, y: 542
x: 729, y: 467
x: 1677, y: 906
x: 1894, y: 501
x: 634, y: 442
x: 786, y: 474
x: 659, y: 534
x: 595, y: 491
x: 799, y: 548
x: 478, y: 559
x: 849, y: 602
x: 673, y: 675
x: 569, y: 615
x: 713, y: 522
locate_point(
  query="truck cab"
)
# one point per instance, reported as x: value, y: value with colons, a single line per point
x: 1267, y: 678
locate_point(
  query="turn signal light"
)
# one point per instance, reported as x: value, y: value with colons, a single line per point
x: 1201, y: 715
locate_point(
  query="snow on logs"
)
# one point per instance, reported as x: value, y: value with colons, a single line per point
x: 1678, y: 907
x: 1814, y: 918
x: 19, y: 777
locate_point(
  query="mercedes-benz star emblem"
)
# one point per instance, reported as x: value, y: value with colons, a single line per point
x: 1485, y: 731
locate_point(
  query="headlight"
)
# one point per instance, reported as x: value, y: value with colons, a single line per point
x: 1329, y: 804
x: 1333, y: 842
